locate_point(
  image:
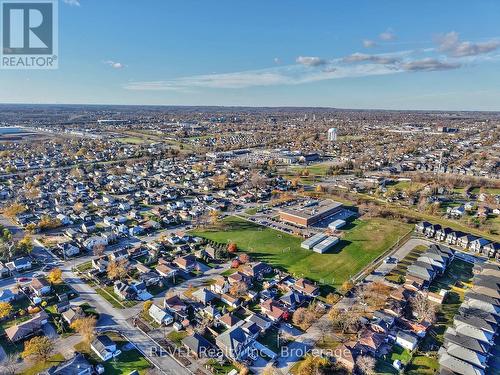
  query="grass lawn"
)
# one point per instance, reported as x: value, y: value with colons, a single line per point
x: 360, y: 245
x: 177, y: 337
x: 40, y: 366
x: 125, y: 363
x: 84, y: 266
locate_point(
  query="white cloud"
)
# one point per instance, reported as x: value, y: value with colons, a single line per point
x: 75, y: 3
x: 367, y: 43
x: 387, y: 35
x: 363, y: 57
x: 450, y: 44
x: 284, y: 75
x: 429, y: 64
x: 310, y: 61
x: 115, y: 64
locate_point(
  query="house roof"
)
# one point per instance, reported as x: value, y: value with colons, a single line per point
x: 72, y: 366
x: 305, y: 286
x: 197, y: 344
x: 18, y: 332
x: 458, y: 366
x: 229, y: 319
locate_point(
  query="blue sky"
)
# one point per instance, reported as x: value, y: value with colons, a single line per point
x: 346, y: 54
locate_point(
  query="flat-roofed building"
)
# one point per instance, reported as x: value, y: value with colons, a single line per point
x: 326, y: 244
x: 309, y: 213
x: 313, y: 241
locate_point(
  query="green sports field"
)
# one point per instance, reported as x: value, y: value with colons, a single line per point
x: 364, y: 240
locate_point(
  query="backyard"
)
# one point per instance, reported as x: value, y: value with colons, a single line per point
x: 360, y: 245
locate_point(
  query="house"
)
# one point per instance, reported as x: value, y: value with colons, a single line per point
x: 165, y: 270
x: 482, y: 302
x: 407, y: 340
x: 27, y: 328
x: 230, y: 300
x: 220, y: 285
x: 272, y: 310
x: 104, y: 347
x: 88, y: 227
x: 73, y: 313
x: 204, y: 296
x: 306, y: 287
x: 123, y: 290
x: 40, y: 286
x: 94, y: 241
x: 292, y: 299
x: 19, y: 264
x: 121, y: 254
x: 457, y: 366
x: 262, y: 322
x: 492, y: 249
x: 422, y: 226
x: 176, y: 306
x: 6, y: 295
x: 370, y: 341
x: 465, y: 241
x: 150, y: 278
x: 200, y: 347
x: 478, y: 244
x: 229, y: 320
x: 235, y: 343
x: 78, y: 365
x: 186, y: 263
x: 159, y: 315
x: 4, y: 270
x: 256, y: 270
x: 68, y: 249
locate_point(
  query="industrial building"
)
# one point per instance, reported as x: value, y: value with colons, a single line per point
x: 326, y: 244
x: 308, y: 213
x: 313, y: 241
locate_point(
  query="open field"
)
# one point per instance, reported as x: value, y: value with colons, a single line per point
x: 361, y: 244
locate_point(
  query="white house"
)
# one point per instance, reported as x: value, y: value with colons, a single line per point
x: 104, y: 347
x: 407, y: 340
x: 159, y: 315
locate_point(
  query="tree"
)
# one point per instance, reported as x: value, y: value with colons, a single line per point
x: 332, y: 298
x: 38, y: 348
x: 25, y: 245
x: 312, y: 365
x: 5, y: 309
x: 146, y: 306
x: 9, y: 365
x: 98, y: 249
x: 271, y: 370
x: 346, y: 286
x: 422, y: 308
x: 343, y: 319
x: 214, y: 217
x: 244, y: 258
x: 238, y: 289
x: 365, y: 364
x: 13, y: 210
x: 86, y: 328
x: 220, y: 181
x: 232, y: 247
x: 117, y: 270
x: 55, y: 276
x: 303, y: 317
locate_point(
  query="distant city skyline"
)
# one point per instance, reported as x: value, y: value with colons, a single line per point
x: 420, y: 55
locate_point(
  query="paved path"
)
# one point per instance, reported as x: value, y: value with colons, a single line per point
x: 400, y: 253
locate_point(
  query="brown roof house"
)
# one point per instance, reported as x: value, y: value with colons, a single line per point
x: 41, y: 286
x: 306, y: 287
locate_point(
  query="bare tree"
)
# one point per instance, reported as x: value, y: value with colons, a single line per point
x: 365, y: 364
x: 9, y: 365
x: 422, y: 308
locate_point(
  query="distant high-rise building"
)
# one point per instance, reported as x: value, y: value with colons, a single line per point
x: 332, y: 134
